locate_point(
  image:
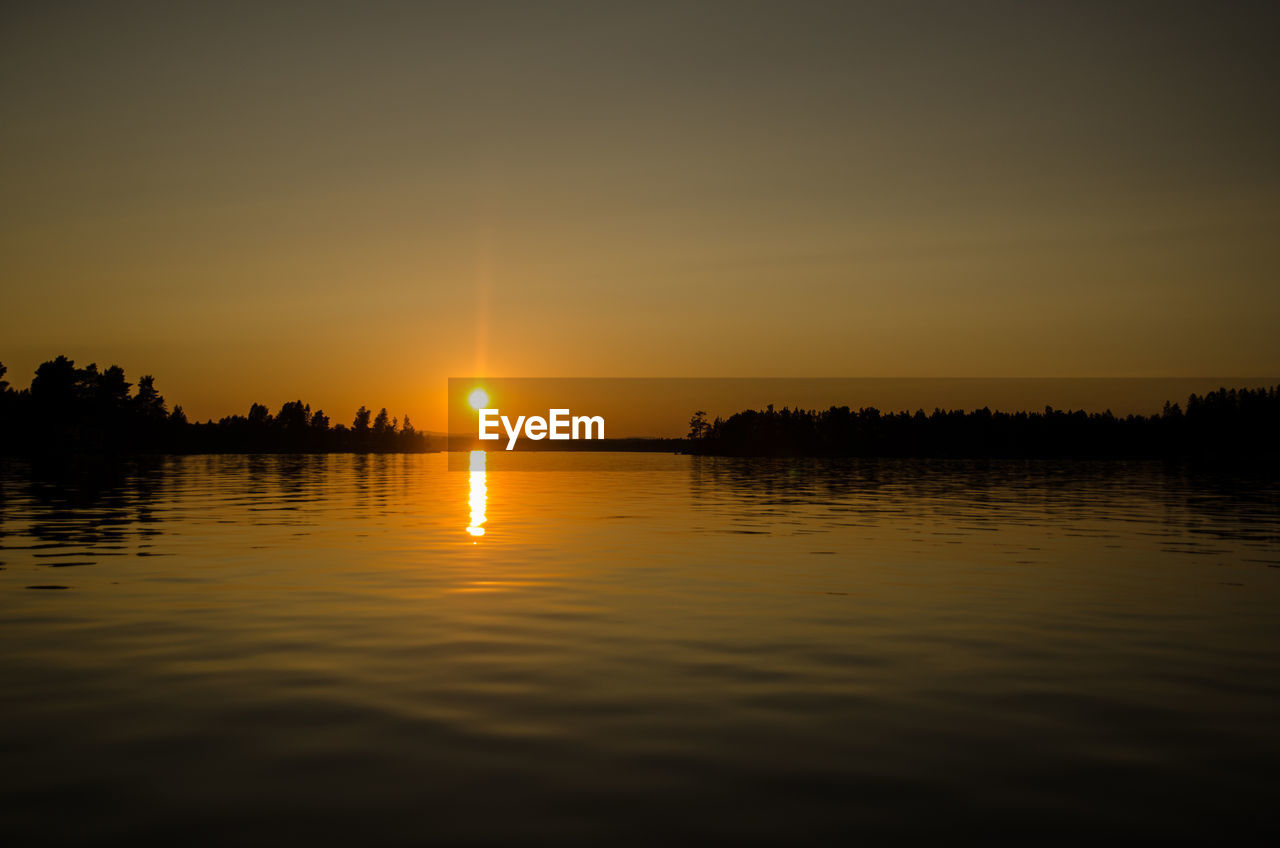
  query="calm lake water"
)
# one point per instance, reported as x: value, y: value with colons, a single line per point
x: 325, y: 648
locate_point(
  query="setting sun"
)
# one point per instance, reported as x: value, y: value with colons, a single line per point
x: 883, y: 415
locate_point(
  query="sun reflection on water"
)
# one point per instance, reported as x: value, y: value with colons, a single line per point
x: 479, y: 493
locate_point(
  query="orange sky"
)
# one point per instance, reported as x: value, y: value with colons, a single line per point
x: 349, y: 203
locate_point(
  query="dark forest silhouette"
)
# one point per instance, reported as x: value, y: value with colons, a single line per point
x: 87, y: 410
x: 1240, y: 423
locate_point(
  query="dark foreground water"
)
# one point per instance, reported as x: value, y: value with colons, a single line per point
x: 326, y: 649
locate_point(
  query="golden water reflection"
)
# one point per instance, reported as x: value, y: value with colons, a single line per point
x: 479, y: 493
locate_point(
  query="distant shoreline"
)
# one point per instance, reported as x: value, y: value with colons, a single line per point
x: 70, y: 410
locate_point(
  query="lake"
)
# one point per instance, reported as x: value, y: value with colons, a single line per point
x: 374, y: 649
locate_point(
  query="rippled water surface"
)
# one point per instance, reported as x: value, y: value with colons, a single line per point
x: 374, y: 649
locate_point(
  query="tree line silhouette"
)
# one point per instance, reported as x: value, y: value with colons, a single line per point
x: 1235, y: 423
x: 69, y: 409
x: 86, y: 410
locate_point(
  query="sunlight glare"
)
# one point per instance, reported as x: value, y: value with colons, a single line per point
x: 479, y: 492
x: 479, y: 399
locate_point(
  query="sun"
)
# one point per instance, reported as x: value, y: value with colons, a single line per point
x: 479, y: 399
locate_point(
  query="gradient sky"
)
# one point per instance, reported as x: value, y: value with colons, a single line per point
x: 349, y: 203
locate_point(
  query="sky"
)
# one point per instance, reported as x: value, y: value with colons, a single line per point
x: 350, y: 203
